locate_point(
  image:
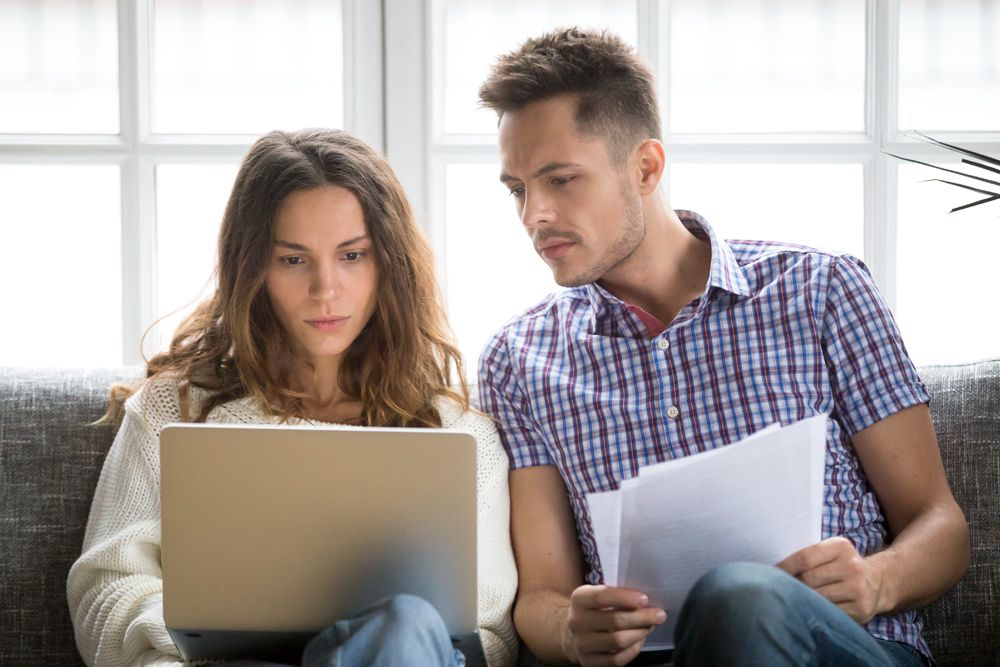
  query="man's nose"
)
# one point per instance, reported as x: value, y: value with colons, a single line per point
x: 538, y: 210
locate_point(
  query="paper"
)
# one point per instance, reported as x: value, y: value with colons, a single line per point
x: 757, y: 500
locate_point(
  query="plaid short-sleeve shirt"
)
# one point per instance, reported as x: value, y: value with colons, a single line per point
x: 781, y: 333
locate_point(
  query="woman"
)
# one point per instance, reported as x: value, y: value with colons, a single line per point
x: 325, y: 311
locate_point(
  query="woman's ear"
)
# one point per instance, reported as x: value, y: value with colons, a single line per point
x: 650, y: 161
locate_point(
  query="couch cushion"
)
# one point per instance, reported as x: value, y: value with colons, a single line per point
x: 49, y: 463
x: 963, y: 627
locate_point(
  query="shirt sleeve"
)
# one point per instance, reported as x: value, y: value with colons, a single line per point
x: 115, y: 587
x: 870, y: 371
x: 501, y: 397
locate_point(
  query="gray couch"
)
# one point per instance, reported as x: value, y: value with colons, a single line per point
x: 50, y: 461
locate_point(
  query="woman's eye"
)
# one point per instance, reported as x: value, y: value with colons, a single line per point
x: 293, y: 260
x: 353, y: 256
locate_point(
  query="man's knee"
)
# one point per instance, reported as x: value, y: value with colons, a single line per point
x: 745, y: 589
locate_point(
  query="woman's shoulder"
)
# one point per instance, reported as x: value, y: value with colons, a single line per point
x: 158, y: 400
x: 453, y: 414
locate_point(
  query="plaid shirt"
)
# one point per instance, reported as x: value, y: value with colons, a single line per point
x: 781, y: 333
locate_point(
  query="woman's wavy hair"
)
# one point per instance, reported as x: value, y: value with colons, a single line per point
x: 233, y: 345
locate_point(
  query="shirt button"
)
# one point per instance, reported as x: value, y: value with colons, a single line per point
x: 663, y: 343
x: 673, y: 412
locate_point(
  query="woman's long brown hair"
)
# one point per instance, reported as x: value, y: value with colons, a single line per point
x: 233, y: 345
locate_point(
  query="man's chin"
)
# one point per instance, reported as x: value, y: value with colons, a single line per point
x: 564, y: 280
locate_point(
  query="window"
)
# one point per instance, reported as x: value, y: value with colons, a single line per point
x: 122, y: 123
x: 121, y: 127
x: 777, y: 115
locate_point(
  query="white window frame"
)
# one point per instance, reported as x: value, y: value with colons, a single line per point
x: 420, y: 154
x: 137, y: 150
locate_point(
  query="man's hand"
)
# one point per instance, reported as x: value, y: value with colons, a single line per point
x: 834, y: 569
x: 608, y: 626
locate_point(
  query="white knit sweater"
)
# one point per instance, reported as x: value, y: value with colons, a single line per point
x: 115, y: 589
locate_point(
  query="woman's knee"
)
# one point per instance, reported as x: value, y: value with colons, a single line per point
x: 411, y: 609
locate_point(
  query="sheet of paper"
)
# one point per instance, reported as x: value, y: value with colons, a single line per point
x: 605, y: 518
x: 757, y: 500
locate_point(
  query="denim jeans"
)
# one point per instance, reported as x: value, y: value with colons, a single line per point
x: 404, y: 630
x: 749, y: 614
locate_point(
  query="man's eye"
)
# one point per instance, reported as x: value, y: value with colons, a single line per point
x: 561, y: 180
x: 517, y: 192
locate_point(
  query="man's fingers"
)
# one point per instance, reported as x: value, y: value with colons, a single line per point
x: 610, y: 620
x: 824, y: 575
x: 816, y: 555
x: 836, y: 593
x: 605, y: 597
x: 604, y: 643
x: 618, y: 659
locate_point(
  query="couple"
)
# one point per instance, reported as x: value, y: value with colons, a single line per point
x: 669, y: 341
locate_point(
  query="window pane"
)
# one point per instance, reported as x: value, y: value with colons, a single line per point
x: 230, y: 66
x: 946, y: 269
x: 819, y: 205
x: 949, y: 65
x: 470, y: 50
x: 492, y: 272
x: 766, y: 65
x: 60, y: 264
x: 190, y: 202
x: 58, y: 66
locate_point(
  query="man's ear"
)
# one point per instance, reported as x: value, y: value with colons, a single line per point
x: 650, y: 160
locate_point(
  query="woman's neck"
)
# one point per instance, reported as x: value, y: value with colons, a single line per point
x: 325, y: 401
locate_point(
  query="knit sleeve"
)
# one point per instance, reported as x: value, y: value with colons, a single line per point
x: 115, y: 587
x: 497, y: 571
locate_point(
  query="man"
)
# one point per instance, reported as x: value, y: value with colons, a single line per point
x: 671, y: 341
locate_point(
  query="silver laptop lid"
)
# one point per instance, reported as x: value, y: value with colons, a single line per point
x: 289, y: 528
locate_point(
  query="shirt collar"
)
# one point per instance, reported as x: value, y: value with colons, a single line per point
x: 724, y: 273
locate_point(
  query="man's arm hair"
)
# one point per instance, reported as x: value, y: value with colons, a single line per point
x: 549, y: 562
x: 930, y: 549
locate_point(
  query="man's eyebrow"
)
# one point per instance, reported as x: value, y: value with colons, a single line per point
x: 541, y: 171
x: 299, y: 246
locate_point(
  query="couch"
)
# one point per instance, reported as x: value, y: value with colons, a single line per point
x: 50, y: 460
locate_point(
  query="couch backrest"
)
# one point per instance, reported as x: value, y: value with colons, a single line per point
x: 50, y: 461
x: 963, y: 627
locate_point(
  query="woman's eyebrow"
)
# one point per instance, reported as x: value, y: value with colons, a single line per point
x: 302, y: 248
x: 356, y: 239
x: 290, y: 245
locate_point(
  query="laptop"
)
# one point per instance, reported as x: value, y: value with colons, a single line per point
x: 272, y: 532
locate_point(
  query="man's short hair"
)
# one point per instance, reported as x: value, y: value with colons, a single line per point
x: 615, y: 91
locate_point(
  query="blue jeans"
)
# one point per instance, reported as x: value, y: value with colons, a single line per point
x: 404, y: 630
x: 748, y: 614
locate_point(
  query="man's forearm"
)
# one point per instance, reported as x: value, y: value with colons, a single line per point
x: 924, y: 561
x: 540, y: 618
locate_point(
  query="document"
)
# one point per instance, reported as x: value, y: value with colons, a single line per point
x: 758, y: 500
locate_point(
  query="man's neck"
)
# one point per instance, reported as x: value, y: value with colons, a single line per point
x: 668, y: 270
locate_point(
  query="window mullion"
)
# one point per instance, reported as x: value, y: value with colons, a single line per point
x: 137, y: 291
x: 363, y: 68
x: 881, y: 113
x: 408, y: 99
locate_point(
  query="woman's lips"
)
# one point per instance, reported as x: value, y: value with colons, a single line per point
x: 327, y: 323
